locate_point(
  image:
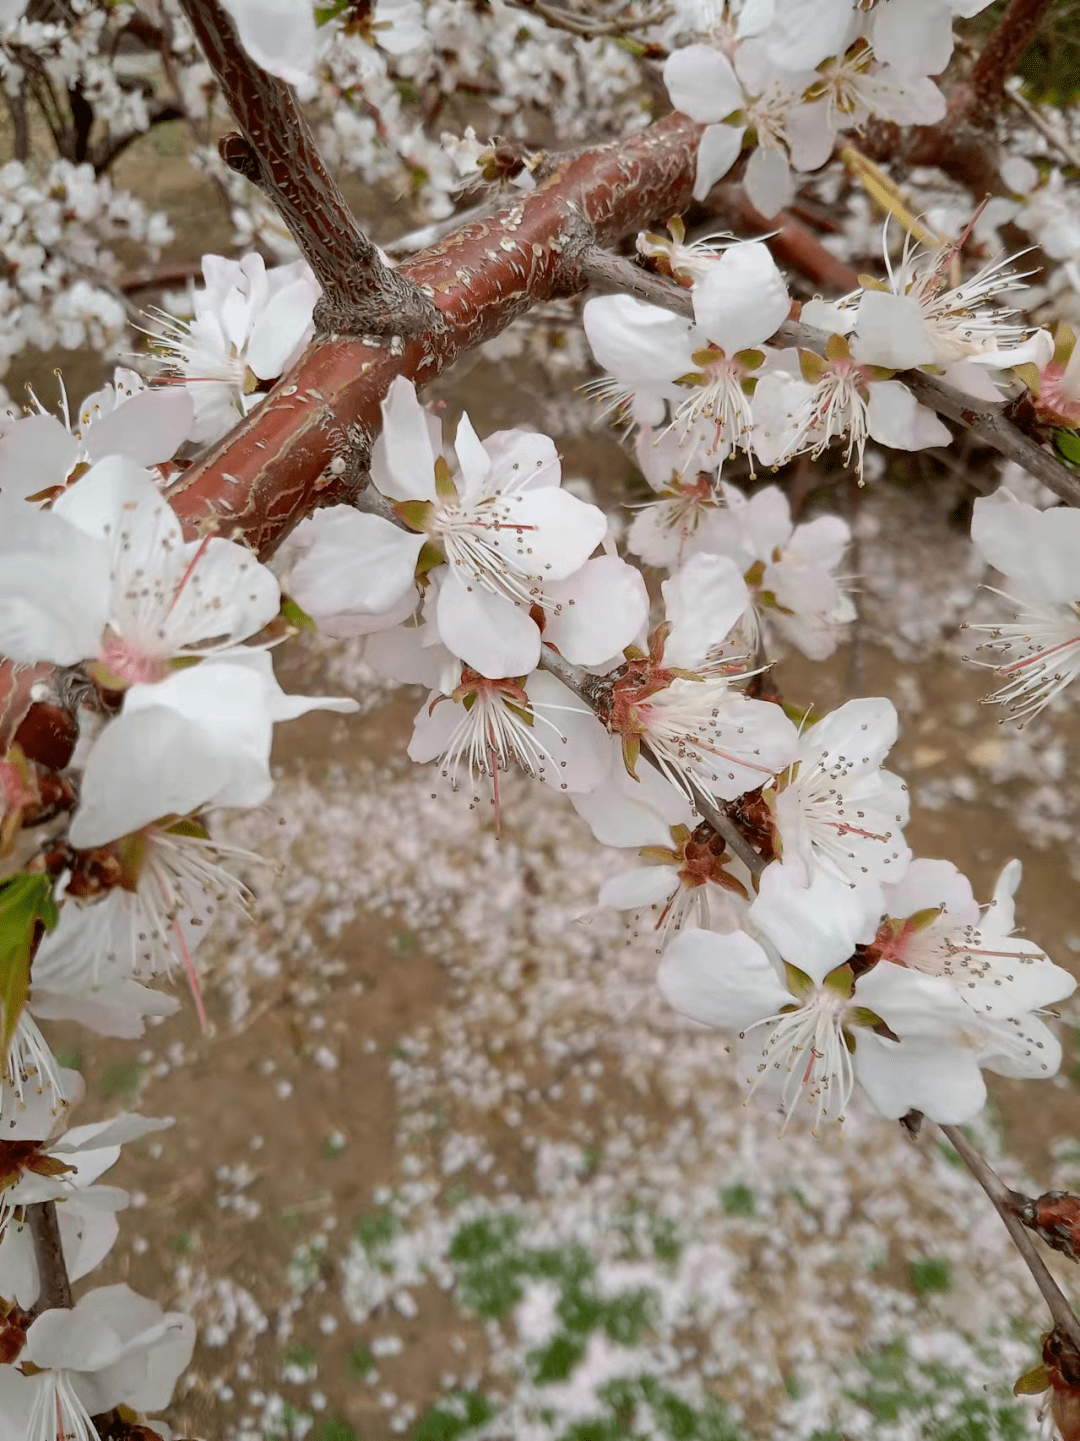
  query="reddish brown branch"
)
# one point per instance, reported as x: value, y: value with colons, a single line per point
x: 297, y: 451
x: 1001, y: 53
x: 361, y: 294
x: 49, y: 1254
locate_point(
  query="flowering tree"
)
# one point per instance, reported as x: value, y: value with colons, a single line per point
x: 138, y: 612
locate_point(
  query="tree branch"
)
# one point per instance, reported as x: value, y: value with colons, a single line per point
x: 49, y: 1254
x: 987, y: 420
x: 277, y: 150
x: 1065, y: 1318
x: 275, y: 467
x: 1011, y: 37
x: 589, y: 689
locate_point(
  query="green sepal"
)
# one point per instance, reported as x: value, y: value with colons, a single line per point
x: 631, y: 751
x: 837, y: 348
x: 871, y: 282
x: 430, y: 556
x: 750, y: 359
x: 798, y: 982
x: 658, y: 856
x: 522, y: 712
x: 923, y: 919
x: 445, y: 488
x: 841, y: 980
x: 1067, y: 445
x: 187, y: 826
x: 414, y: 513
x: 292, y: 613
x: 755, y: 575
x: 1029, y: 374
x: 1064, y: 343
x: 680, y: 834
x: 863, y: 1016
x: 326, y: 13
x: 26, y: 903
x: 811, y: 365
x: 677, y: 229
x: 802, y: 715
x: 1033, y: 1382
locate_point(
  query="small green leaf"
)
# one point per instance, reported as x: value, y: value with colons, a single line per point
x: 292, y: 613
x: 26, y: 903
x: 413, y: 513
x: 1033, y: 1382
x: 430, y: 556
x: 1067, y: 445
x: 445, y: 488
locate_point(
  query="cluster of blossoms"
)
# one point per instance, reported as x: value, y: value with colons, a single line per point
x: 772, y: 869
x: 783, y: 78
x: 158, y: 716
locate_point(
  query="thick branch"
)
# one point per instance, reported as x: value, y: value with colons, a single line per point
x: 275, y: 467
x: 49, y: 1254
x: 1064, y: 1316
x: 361, y: 295
x: 987, y: 420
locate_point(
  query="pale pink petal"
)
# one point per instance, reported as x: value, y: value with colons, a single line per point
x: 720, y: 980
x: 406, y: 460
x: 36, y: 453
x: 702, y: 84
x: 601, y: 610
x: 742, y: 298
x: 703, y: 601
x: 922, y: 1074
x: 1039, y: 549
x: 769, y: 182
x: 279, y: 331
x: 815, y: 927
x: 488, y: 632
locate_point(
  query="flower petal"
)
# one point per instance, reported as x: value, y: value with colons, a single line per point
x: 702, y: 84
x: 405, y: 469
x: 742, y: 298
x: 602, y: 609
x: 704, y: 600
x: 720, y: 980
x: 718, y: 150
x: 54, y: 589
x: 488, y: 632
x: 816, y: 927
x: 356, y: 563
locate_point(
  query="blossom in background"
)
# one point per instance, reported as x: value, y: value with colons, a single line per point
x: 707, y: 736
x: 249, y: 325
x: 1037, y: 653
x: 749, y: 94
x: 279, y: 35
x: 480, y: 727
x: 790, y: 571
x: 669, y: 530
x: 835, y: 811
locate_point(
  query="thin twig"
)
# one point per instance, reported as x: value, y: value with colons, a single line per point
x: 577, y: 680
x: 1070, y: 152
x: 49, y: 1253
x: 987, y: 419
x: 586, y: 28
x: 362, y: 295
x: 1064, y: 1316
